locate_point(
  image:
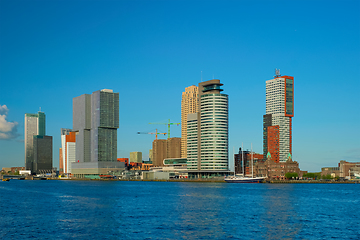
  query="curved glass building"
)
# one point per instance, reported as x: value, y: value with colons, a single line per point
x: 210, y: 134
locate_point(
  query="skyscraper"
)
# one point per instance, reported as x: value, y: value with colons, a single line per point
x: 207, y: 130
x: 96, y: 120
x: 189, y: 104
x: 277, y: 128
x: 38, y: 146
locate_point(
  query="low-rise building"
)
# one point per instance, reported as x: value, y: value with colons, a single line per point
x: 275, y: 171
x: 332, y: 171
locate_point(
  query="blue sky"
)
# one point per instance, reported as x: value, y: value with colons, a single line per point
x: 149, y: 51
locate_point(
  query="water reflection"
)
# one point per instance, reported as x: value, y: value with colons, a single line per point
x: 200, y: 211
x: 280, y: 219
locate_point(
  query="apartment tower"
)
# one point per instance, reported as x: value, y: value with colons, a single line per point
x: 189, y: 104
x: 207, y: 130
x: 277, y: 128
x: 165, y: 148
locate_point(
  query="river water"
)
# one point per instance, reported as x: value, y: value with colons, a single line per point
x: 177, y: 210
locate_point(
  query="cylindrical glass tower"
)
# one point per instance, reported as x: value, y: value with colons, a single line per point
x: 213, y: 128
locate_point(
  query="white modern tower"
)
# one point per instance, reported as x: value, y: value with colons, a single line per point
x: 211, y: 127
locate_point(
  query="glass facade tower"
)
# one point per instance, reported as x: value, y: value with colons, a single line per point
x: 96, y: 120
x: 38, y: 147
x: 207, y: 139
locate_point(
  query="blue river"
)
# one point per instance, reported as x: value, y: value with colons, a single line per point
x: 177, y: 210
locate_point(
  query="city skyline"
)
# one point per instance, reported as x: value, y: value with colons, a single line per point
x: 55, y: 51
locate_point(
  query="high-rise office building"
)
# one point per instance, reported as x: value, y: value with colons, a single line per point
x: 136, y: 157
x: 67, y: 150
x: 96, y: 120
x: 189, y: 104
x: 207, y: 131
x: 38, y: 146
x: 277, y: 128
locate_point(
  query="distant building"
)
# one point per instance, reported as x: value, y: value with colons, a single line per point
x: 207, y: 132
x: 124, y: 160
x: 150, y: 155
x: 165, y: 148
x: 343, y: 170
x: 247, y: 166
x: 332, y: 171
x: 276, y: 170
x: 67, y: 151
x: 42, y: 154
x: 277, y: 123
x: 189, y: 104
x: 136, y: 157
x: 96, y: 120
x: 347, y: 169
x: 38, y: 146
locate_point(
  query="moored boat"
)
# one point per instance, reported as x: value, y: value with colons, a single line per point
x: 235, y: 179
x: 244, y: 179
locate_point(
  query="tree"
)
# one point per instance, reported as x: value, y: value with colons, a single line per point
x: 328, y: 176
x: 290, y: 175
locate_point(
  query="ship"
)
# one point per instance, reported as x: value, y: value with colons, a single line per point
x: 242, y: 178
x: 237, y: 179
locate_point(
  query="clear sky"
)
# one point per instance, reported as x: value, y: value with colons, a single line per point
x: 149, y: 51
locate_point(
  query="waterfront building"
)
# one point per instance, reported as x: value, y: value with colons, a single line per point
x: 207, y: 132
x: 189, y: 104
x: 347, y: 169
x: 343, y: 170
x: 165, y: 148
x: 38, y: 146
x: 95, y: 121
x: 273, y: 170
x: 240, y: 168
x: 171, y: 168
x: 67, y: 151
x: 277, y: 122
x: 136, y: 157
x: 332, y: 171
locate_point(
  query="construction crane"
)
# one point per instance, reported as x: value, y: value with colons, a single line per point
x: 169, y: 123
x: 156, y: 133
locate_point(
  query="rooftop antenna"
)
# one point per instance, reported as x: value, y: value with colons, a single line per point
x: 201, y: 76
x: 39, y: 109
x: 277, y: 73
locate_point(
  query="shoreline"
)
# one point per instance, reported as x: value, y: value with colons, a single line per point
x: 201, y: 181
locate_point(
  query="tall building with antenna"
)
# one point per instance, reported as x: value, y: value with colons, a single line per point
x: 38, y: 146
x: 189, y: 104
x: 277, y: 122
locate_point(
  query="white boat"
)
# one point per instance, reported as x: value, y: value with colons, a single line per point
x: 236, y: 179
x: 244, y: 179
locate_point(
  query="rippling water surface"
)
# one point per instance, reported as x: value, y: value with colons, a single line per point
x: 177, y: 210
